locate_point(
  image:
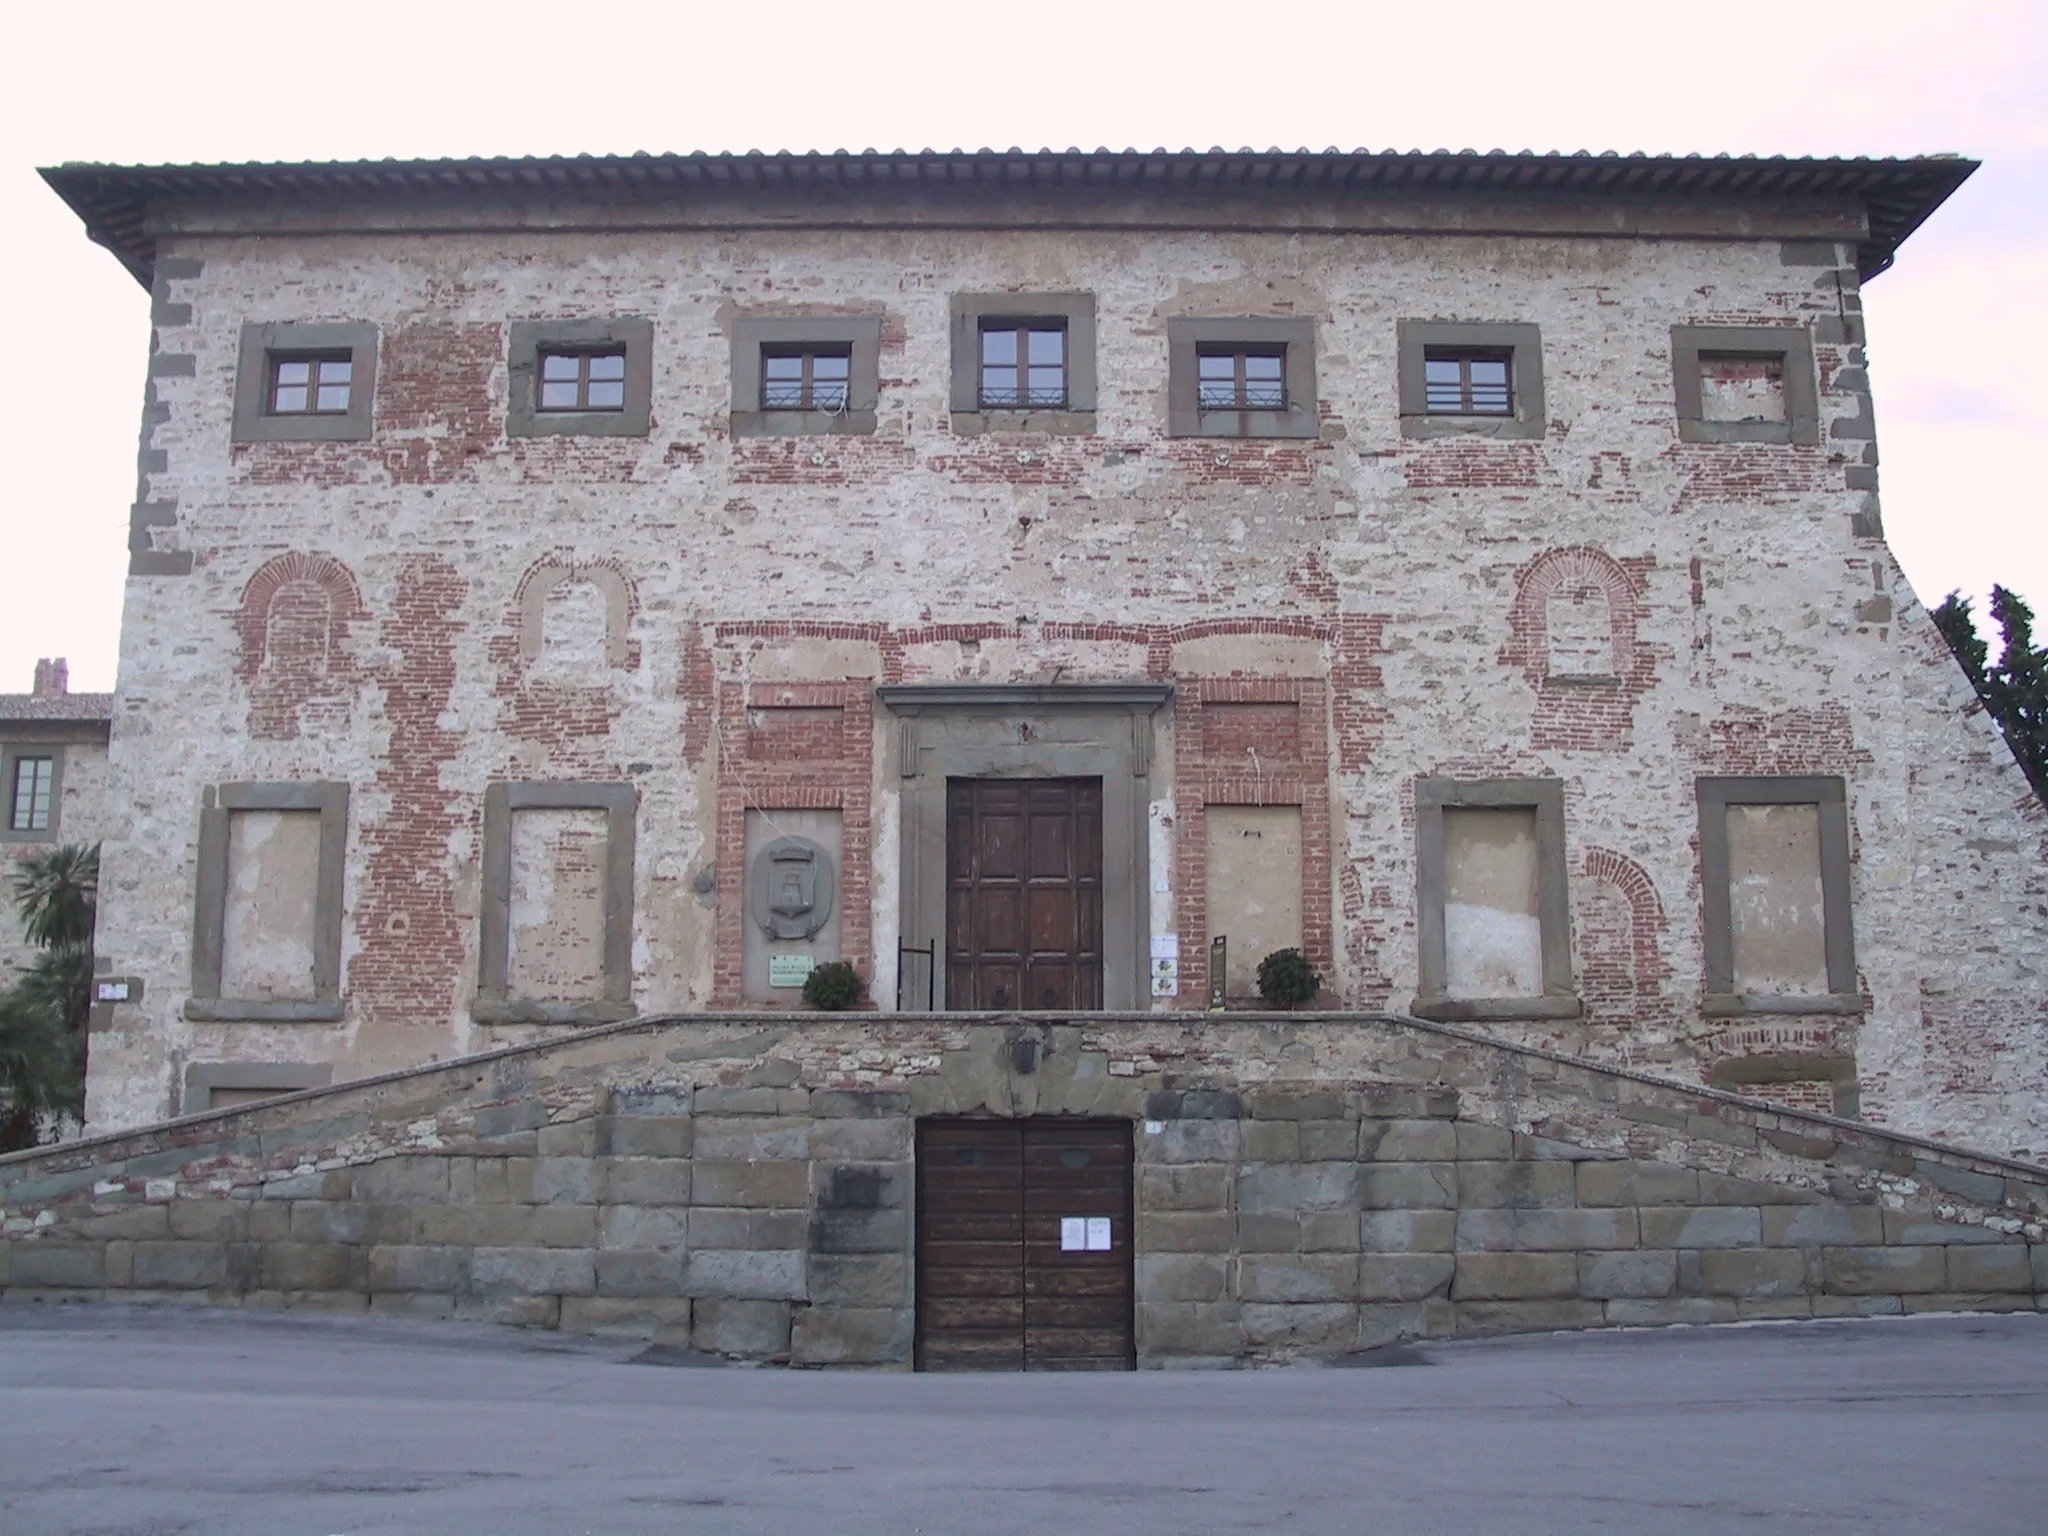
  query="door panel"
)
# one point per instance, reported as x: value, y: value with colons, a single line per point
x: 997, y: 1288
x: 1024, y: 893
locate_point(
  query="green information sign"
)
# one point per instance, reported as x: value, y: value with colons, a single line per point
x: 789, y: 970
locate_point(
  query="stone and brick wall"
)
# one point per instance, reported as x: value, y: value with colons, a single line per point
x: 445, y: 605
x: 1306, y: 1187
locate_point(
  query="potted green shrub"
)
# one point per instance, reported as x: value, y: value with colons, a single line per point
x: 834, y: 986
x: 1287, y: 980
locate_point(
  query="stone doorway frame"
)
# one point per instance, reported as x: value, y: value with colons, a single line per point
x: 1032, y: 731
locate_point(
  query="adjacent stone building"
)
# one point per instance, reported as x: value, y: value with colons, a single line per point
x: 53, y: 774
x: 570, y: 599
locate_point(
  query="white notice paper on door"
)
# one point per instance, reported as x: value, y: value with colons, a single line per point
x: 1073, y: 1234
x: 1098, y: 1234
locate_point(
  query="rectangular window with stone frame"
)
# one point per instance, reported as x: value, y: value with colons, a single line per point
x: 305, y: 382
x: 1493, y: 914
x: 805, y: 375
x: 1774, y: 883
x: 1243, y: 376
x: 1023, y: 362
x: 1469, y: 378
x: 580, y: 378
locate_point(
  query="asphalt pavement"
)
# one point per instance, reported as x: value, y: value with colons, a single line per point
x: 146, y: 1422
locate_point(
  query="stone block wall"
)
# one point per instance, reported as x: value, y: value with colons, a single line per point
x: 747, y: 1191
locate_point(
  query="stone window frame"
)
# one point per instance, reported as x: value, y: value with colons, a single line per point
x: 264, y: 339
x: 11, y: 753
x: 1434, y: 796
x: 1520, y: 339
x: 494, y: 1003
x: 210, y: 904
x: 968, y: 310
x: 1830, y: 794
x: 1790, y: 345
x: 529, y: 338
x: 1187, y: 335
x: 861, y: 335
x: 203, y: 1078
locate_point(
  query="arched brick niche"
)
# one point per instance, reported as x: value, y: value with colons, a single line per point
x: 292, y: 628
x: 1573, y: 632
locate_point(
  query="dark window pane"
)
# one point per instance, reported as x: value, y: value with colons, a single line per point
x: 999, y: 347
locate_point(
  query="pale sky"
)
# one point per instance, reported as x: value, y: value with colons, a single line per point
x: 1963, y: 419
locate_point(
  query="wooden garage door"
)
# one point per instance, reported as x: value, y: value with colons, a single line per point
x: 1024, y: 1245
x: 1024, y: 893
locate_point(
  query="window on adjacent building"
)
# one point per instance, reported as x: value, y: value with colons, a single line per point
x: 805, y: 378
x: 1023, y: 365
x: 1241, y: 378
x: 28, y: 808
x: 583, y: 381
x: 310, y: 384
x: 1461, y: 382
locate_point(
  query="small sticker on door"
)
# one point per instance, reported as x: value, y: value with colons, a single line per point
x: 1084, y: 1234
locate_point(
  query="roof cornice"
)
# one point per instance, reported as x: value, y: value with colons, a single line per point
x: 124, y: 206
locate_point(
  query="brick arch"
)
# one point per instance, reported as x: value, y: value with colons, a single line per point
x: 548, y: 575
x: 1582, y: 712
x: 292, y: 626
x: 1622, y: 974
x: 563, y: 720
x: 1569, y: 570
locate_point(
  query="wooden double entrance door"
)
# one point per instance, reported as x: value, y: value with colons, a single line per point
x: 1024, y: 1245
x: 1024, y: 894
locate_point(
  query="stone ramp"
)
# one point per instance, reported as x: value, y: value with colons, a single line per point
x: 1307, y: 1186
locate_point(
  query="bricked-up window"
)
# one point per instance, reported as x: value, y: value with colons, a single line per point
x: 1744, y: 384
x: 805, y: 378
x: 1480, y: 378
x: 1241, y: 379
x: 28, y: 806
x: 1774, y: 881
x: 1493, y: 922
x: 1460, y: 382
x: 583, y: 381
x: 316, y: 384
x: 1023, y: 365
x: 305, y: 383
x: 1250, y: 376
